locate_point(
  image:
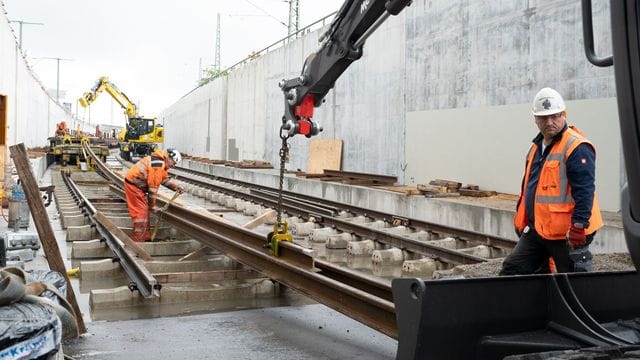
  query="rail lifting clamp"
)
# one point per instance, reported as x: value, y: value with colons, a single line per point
x: 280, y: 233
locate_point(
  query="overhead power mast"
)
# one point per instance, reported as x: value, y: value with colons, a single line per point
x: 216, y: 62
x: 294, y: 16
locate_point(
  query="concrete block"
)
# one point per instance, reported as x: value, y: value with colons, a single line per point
x: 83, y: 232
x: 398, y: 230
x: 219, y: 262
x: 120, y: 221
x: 241, y: 205
x: 339, y: 241
x: 482, y: 251
x: 422, y: 268
x: 90, y: 249
x: 66, y: 203
x: 210, y: 195
x: 170, y: 248
x: 222, y: 200
x: 448, y: 243
x: 216, y: 197
x: 293, y: 220
x: 99, y: 269
x: 387, y: 257
x: 199, y: 192
x: 252, y: 210
x: 360, y: 219
x: 119, y: 296
x: 22, y: 255
x: 76, y: 220
x: 378, y: 224
x: 230, y: 202
x: 364, y: 247
x: 304, y: 228
x: 321, y: 234
x: 420, y: 235
x: 68, y: 208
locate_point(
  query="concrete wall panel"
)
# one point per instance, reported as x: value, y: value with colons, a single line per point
x: 440, y: 92
x: 487, y: 146
x: 31, y: 113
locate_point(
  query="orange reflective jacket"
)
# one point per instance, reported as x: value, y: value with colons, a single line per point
x: 149, y: 173
x: 553, y: 201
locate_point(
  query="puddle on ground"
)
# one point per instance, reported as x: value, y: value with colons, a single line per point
x: 287, y: 297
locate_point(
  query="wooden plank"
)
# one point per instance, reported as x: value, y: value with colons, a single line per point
x: 433, y: 188
x: 324, y: 154
x: 43, y: 226
x: 250, y: 225
x: 117, y: 232
x: 477, y: 193
x: 447, y: 183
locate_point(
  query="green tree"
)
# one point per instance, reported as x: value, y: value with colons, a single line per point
x: 211, y: 74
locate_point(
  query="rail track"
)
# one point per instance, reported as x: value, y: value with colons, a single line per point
x: 320, y: 228
x: 339, y: 224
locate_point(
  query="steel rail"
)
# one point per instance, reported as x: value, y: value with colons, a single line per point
x: 450, y: 256
x: 467, y: 235
x: 362, y: 298
x: 141, y: 278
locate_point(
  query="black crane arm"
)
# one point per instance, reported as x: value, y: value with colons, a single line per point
x: 340, y: 46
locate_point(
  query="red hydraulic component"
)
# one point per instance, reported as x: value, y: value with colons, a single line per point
x: 305, y: 109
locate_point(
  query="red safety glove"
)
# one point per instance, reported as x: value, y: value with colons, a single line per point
x: 576, y: 235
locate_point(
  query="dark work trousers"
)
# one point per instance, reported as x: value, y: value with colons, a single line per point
x: 531, y: 256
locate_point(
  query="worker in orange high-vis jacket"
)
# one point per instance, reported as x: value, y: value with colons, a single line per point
x: 145, y: 177
x: 557, y: 214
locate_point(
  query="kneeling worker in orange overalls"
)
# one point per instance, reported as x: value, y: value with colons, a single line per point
x: 145, y: 177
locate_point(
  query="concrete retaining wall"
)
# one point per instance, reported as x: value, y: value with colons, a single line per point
x: 394, y: 108
x: 31, y: 112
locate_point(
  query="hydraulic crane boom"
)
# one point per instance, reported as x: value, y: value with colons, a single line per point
x: 140, y: 134
x: 103, y: 84
x: 341, y: 45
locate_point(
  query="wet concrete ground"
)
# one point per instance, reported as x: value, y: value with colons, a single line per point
x: 294, y: 332
x: 286, y: 332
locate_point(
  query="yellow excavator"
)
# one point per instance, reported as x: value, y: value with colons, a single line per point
x: 140, y: 136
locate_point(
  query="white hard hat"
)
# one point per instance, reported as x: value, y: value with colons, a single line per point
x: 175, y: 155
x: 547, y: 102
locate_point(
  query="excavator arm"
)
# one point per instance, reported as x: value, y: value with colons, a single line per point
x: 140, y: 134
x: 103, y: 84
x: 341, y: 45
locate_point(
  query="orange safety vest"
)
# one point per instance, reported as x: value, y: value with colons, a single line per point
x: 553, y: 201
x: 150, y: 172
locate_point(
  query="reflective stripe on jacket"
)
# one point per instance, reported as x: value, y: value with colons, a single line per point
x: 150, y: 172
x: 554, y: 204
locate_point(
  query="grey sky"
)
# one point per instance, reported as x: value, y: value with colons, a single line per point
x: 150, y: 49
